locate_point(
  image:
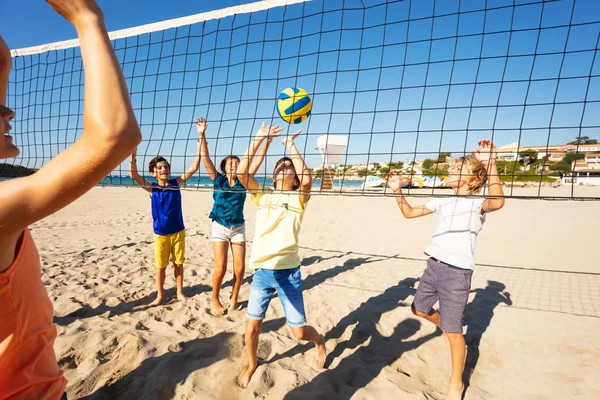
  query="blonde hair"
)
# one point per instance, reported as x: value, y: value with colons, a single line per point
x: 476, y: 173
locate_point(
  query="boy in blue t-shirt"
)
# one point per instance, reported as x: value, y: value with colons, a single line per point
x: 169, y: 231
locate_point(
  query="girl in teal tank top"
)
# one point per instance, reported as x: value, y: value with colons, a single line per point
x: 228, y: 227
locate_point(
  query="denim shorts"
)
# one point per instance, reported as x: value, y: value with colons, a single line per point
x: 287, y: 283
x: 450, y: 286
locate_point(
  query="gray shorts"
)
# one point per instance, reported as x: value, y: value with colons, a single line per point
x: 450, y: 286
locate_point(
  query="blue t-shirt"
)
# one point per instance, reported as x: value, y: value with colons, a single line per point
x: 228, y: 209
x: 166, y: 208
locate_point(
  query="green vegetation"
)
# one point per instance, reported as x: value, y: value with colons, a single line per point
x: 583, y: 140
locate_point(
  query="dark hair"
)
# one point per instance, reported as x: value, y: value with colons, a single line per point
x: 156, y: 160
x: 296, y: 185
x: 224, y: 162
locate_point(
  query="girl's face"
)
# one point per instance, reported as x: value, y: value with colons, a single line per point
x: 7, y: 148
x: 285, y: 172
x: 457, y: 175
x: 231, y: 166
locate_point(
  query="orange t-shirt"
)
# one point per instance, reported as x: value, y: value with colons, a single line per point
x: 28, y: 367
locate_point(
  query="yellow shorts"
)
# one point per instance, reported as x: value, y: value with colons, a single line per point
x: 172, y: 245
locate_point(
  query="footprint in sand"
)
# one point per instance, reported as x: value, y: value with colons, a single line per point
x: 70, y: 361
x: 264, y: 349
x: 176, y: 348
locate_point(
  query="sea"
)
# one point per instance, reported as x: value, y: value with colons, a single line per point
x: 204, y: 182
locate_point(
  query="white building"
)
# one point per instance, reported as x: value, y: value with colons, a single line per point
x: 585, y: 172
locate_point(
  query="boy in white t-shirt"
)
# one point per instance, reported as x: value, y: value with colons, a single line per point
x: 447, y: 278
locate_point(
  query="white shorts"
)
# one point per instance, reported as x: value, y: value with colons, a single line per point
x: 235, y: 234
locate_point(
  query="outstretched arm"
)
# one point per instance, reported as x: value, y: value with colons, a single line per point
x: 260, y: 157
x: 201, y: 127
x: 208, y: 164
x: 299, y: 165
x: 5, y: 66
x: 133, y: 173
x: 243, y: 174
x: 110, y: 130
x: 395, y: 183
x: 487, y: 155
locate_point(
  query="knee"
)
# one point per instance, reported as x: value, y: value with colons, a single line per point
x: 417, y: 313
x: 253, y: 328
x: 299, y: 333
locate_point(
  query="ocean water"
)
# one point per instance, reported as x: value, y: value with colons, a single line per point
x: 206, y: 182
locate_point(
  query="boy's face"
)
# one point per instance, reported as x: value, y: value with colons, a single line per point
x: 7, y: 148
x: 285, y: 173
x: 457, y: 175
x: 161, y: 171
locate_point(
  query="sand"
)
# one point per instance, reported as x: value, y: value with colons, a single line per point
x: 533, y: 318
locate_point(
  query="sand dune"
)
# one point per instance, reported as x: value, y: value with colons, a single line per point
x: 533, y: 319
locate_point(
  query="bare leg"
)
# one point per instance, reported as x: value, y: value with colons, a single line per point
x: 160, y: 287
x: 433, y: 317
x: 310, y: 334
x: 457, y: 352
x: 220, y: 252
x: 253, y: 328
x: 239, y: 266
x: 179, y: 282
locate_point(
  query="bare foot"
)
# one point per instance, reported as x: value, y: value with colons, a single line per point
x: 321, y: 352
x: 235, y: 307
x: 158, y: 301
x: 181, y: 297
x: 216, y: 309
x: 455, y: 392
x: 246, y: 375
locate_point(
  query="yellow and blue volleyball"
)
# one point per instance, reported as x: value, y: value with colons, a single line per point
x: 294, y: 105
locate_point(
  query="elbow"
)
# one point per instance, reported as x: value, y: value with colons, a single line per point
x: 122, y: 134
x: 498, y: 204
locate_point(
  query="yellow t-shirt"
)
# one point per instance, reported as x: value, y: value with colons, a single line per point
x: 278, y: 221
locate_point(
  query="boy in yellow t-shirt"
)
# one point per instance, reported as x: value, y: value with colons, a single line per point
x: 275, y: 248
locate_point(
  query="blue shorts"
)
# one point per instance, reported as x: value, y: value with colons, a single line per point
x: 287, y: 283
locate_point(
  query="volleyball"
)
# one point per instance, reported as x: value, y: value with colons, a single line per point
x: 294, y: 105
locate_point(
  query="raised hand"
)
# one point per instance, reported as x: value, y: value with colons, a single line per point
x: 76, y: 11
x: 486, y: 152
x: 394, y: 181
x: 201, y: 126
x: 268, y: 131
x: 133, y: 157
x: 290, y: 138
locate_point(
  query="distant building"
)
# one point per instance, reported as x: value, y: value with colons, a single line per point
x: 554, y: 152
x: 586, y: 171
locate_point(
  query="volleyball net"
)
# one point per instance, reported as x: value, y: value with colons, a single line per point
x: 395, y: 85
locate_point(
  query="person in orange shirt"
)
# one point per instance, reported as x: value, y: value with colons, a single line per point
x: 28, y: 365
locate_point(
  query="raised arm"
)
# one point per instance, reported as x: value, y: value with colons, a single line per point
x: 408, y: 211
x: 201, y: 128
x: 133, y: 173
x: 299, y: 165
x: 208, y: 164
x: 110, y: 130
x: 5, y: 66
x: 260, y: 157
x: 243, y: 174
x: 487, y: 155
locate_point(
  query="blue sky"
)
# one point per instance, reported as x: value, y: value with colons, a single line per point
x: 404, y: 79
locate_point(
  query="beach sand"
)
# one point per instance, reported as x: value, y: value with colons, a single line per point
x: 533, y: 318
